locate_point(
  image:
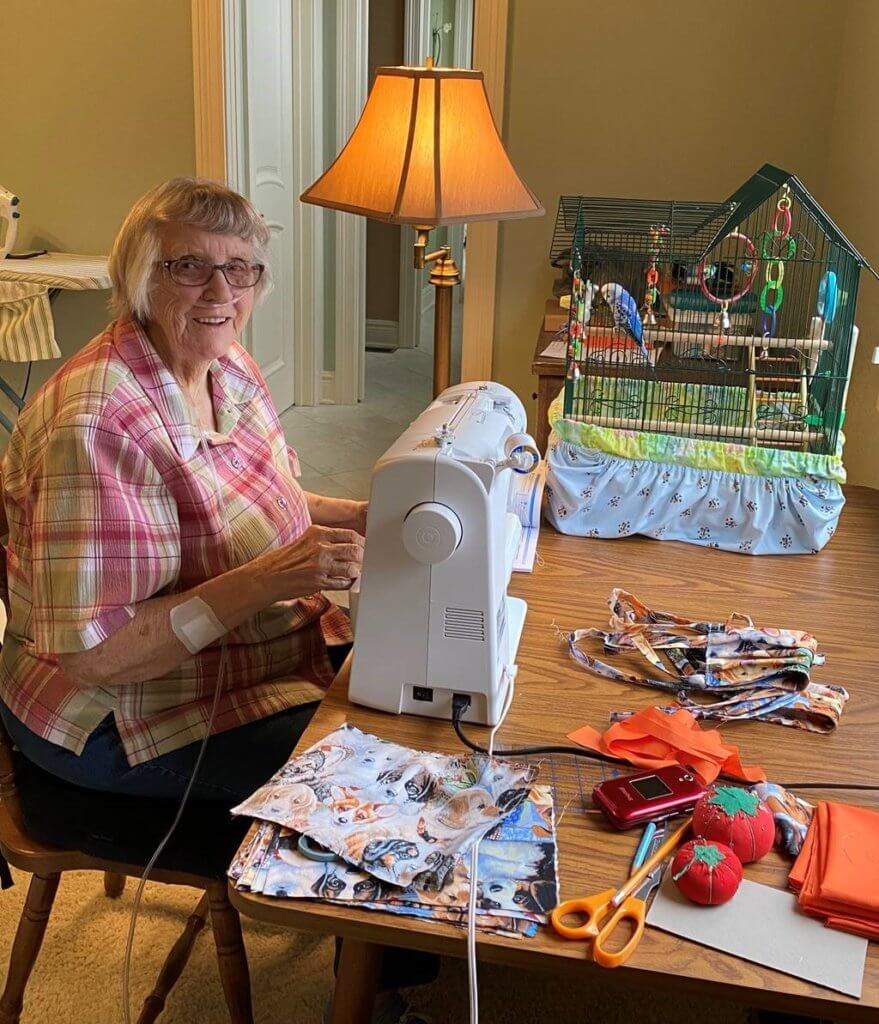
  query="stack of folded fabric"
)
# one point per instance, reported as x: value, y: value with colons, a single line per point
x: 837, y: 871
x: 396, y: 826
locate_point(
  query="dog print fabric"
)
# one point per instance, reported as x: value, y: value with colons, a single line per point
x: 726, y: 671
x: 517, y: 878
x: 388, y: 810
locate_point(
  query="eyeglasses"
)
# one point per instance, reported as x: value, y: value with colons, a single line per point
x: 190, y: 270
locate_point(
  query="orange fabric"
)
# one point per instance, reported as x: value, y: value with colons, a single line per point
x: 836, y: 872
x: 653, y: 739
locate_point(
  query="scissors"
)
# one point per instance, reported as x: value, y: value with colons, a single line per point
x: 605, y: 910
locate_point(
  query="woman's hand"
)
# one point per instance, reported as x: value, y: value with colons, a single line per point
x: 323, y: 558
x: 342, y: 512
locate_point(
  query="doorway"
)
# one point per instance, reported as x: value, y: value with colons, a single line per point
x: 295, y: 79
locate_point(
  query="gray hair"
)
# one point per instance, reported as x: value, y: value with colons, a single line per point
x: 194, y: 201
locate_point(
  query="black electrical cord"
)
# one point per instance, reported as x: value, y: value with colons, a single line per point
x: 27, y: 381
x: 595, y: 756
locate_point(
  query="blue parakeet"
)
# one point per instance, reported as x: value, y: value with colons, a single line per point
x: 625, y: 314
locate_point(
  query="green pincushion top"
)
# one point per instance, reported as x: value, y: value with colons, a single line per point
x: 706, y: 853
x: 733, y: 800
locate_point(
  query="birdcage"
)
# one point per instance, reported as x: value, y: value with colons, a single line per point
x: 727, y: 323
x: 728, y: 320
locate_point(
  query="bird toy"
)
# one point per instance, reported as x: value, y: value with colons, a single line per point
x: 828, y: 293
x: 749, y: 267
x: 582, y: 293
x: 657, y: 235
x: 773, y: 244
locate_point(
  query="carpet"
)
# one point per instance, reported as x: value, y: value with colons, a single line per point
x: 78, y: 974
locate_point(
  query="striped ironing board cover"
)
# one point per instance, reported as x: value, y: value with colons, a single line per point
x: 27, y: 329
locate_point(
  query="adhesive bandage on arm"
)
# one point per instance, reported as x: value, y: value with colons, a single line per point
x: 195, y: 625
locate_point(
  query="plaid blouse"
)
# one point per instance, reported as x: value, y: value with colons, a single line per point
x: 111, y: 501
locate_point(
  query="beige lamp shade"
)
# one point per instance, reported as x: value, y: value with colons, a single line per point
x: 425, y: 152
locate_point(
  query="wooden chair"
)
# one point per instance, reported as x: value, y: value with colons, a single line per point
x: 46, y: 863
x: 39, y: 797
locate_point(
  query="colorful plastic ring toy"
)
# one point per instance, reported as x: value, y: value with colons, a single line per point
x: 652, y: 275
x: 768, y: 236
x: 827, y: 294
x: 770, y: 322
x: 749, y: 280
x: 778, y: 297
x: 775, y: 272
x: 783, y: 213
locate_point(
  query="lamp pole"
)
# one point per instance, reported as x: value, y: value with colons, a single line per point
x: 444, y: 276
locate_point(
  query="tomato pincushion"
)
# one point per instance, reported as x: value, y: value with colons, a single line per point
x: 707, y: 872
x: 737, y: 818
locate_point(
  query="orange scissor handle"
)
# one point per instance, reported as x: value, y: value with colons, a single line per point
x: 593, y: 909
x: 631, y: 909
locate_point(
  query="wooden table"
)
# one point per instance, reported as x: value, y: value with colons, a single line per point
x: 550, y: 378
x: 834, y: 594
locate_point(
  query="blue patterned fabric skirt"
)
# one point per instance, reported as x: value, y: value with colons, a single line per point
x: 591, y: 492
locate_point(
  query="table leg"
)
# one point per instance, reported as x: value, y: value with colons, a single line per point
x: 356, y: 982
x: 548, y: 389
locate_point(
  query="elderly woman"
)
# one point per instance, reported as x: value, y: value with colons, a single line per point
x: 158, y: 539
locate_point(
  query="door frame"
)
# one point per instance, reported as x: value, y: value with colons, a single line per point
x: 352, y: 74
x: 217, y: 127
x: 416, y: 45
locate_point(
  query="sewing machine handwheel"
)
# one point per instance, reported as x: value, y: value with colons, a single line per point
x: 431, y: 532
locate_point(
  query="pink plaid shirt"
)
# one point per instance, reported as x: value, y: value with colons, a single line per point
x: 110, y: 502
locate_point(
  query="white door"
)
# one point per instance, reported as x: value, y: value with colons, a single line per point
x: 264, y: 165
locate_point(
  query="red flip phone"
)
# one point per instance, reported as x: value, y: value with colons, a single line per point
x: 633, y: 800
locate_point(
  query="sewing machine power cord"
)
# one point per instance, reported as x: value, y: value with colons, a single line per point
x: 592, y: 755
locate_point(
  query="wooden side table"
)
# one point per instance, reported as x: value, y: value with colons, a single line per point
x: 550, y: 378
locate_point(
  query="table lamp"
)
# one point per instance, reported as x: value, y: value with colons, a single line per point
x: 426, y: 152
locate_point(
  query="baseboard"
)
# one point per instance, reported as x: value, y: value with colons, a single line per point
x: 327, y: 387
x: 382, y: 335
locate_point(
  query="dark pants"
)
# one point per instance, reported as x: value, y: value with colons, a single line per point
x: 235, y: 762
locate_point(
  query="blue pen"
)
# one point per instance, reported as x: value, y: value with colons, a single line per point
x: 644, y: 845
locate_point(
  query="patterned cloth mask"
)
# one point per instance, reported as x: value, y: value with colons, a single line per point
x: 756, y: 672
x: 792, y: 815
x: 386, y: 809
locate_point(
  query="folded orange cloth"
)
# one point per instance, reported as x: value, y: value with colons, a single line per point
x: 652, y: 739
x: 837, y: 871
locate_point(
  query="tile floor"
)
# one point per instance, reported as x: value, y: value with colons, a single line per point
x: 338, y: 445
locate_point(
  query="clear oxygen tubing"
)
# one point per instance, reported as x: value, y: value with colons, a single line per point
x: 221, y: 675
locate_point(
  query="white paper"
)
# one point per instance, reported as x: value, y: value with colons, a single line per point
x: 523, y: 560
x: 526, y: 492
x: 555, y: 349
x: 766, y: 926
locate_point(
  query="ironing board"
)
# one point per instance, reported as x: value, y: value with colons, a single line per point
x: 27, y: 327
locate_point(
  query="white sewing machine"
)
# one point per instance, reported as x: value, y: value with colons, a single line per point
x: 432, y: 616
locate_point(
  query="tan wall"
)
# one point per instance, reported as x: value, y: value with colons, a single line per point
x: 383, y: 240
x: 599, y: 103
x: 97, y: 108
x: 852, y: 199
